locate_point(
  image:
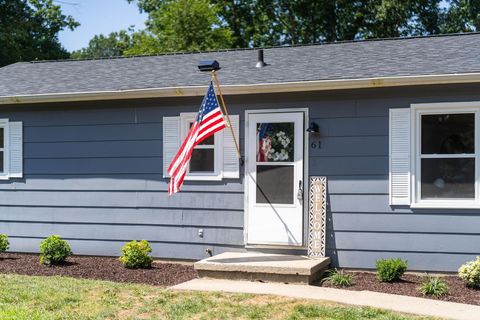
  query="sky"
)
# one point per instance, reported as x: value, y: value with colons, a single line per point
x: 96, y: 17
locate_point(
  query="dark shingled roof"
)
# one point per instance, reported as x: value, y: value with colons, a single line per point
x: 344, y: 60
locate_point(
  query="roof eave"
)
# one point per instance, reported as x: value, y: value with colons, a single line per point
x: 282, y: 87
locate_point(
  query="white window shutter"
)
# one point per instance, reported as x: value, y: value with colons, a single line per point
x: 400, y: 156
x: 171, y: 141
x: 231, y: 163
x: 15, y: 149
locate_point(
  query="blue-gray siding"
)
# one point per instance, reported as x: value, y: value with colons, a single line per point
x: 93, y: 174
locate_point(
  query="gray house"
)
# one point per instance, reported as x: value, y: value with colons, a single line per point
x: 86, y: 145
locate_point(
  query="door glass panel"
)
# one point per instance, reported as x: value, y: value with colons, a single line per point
x: 448, y: 178
x: 203, y: 160
x: 275, y: 142
x: 275, y: 184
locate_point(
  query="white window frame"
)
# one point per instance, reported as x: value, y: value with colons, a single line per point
x: 442, y: 108
x: 4, y: 175
x: 217, y: 174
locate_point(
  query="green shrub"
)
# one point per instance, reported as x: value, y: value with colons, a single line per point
x: 470, y: 273
x: 54, y: 250
x: 433, y: 286
x: 339, y: 278
x: 4, y: 244
x: 389, y: 270
x: 136, y: 254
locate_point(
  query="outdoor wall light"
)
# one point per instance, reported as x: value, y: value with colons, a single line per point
x: 313, y: 128
x: 208, y: 65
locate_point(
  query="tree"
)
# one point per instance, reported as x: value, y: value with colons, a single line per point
x: 172, y: 26
x: 463, y: 16
x: 101, y: 46
x: 278, y: 22
x: 304, y: 21
x: 29, y: 30
x: 144, y: 43
x: 194, y: 25
x: 400, y: 18
x: 241, y: 19
x: 121, y: 43
x: 186, y: 25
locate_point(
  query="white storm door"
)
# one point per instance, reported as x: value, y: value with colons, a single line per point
x: 274, y: 175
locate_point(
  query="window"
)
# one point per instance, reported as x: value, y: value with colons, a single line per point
x: 213, y: 160
x: 445, y: 155
x: 203, y: 156
x: 207, y: 158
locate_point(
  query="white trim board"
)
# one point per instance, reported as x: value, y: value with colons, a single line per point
x: 296, y: 86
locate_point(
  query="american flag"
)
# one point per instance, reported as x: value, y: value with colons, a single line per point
x: 208, y: 121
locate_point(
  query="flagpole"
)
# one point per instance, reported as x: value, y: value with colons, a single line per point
x: 214, y: 76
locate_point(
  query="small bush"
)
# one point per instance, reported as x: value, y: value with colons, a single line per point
x: 389, y: 270
x: 136, y: 254
x: 4, y: 244
x: 470, y: 273
x: 433, y: 286
x: 54, y: 250
x: 339, y: 278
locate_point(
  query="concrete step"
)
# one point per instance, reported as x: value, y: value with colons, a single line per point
x: 266, y: 267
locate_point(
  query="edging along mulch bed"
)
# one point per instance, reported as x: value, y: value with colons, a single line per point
x: 408, y: 286
x: 98, y: 268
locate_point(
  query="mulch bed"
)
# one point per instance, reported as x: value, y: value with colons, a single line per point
x: 168, y: 274
x: 99, y: 268
x: 409, y: 284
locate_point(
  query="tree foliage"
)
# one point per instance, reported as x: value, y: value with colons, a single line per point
x: 121, y: 43
x: 188, y: 25
x: 193, y: 25
x: 100, y: 46
x: 29, y: 30
x: 278, y: 22
x: 463, y: 16
x: 172, y: 26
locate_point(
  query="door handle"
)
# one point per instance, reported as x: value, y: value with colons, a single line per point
x: 300, y: 191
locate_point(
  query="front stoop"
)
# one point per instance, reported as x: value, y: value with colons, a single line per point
x: 266, y: 267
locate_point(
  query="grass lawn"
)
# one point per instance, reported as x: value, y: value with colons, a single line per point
x: 27, y: 297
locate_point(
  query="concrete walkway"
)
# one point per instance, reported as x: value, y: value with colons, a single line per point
x: 397, y: 303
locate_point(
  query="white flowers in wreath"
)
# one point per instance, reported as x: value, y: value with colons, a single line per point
x: 282, y: 142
